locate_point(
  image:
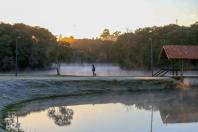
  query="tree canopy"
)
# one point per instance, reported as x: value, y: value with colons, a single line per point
x: 34, y: 44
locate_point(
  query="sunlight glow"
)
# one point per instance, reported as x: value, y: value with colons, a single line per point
x: 87, y: 18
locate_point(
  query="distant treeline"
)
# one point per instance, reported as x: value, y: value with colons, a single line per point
x: 39, y: 49
x: 132, y: 49
x: 92, y: 50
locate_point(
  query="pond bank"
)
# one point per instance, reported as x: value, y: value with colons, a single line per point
x: 23, y: 88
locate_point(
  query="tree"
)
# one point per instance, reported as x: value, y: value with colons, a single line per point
x: 105, y: 35
x: 31, y: 54
x: 60, y: 53
x: 115, y: 35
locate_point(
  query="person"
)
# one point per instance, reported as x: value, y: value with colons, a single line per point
x: 93, y: 70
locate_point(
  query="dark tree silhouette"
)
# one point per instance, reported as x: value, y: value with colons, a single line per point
x: 11, y: 123
x: 62, y: 116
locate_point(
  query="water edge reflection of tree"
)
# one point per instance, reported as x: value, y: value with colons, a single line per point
x: 62, y: 115
x: 12, y: 124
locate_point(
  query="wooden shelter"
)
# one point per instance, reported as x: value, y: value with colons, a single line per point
x: 179, y: 53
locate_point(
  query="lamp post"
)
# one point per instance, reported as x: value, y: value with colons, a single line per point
x: 16, y: 52
x: 16, y: 57
x: 151, y: 55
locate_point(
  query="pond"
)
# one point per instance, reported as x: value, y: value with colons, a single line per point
x: 164, y: 111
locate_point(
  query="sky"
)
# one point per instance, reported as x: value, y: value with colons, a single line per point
x: 88, y: 18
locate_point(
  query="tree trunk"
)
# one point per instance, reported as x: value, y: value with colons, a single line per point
x: 58, y: 68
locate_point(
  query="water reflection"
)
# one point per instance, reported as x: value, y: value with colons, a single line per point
x: 152, y: 112
x: 151, y: 118
x: 12, y: 124
x: 184, y: 111
x: 62, y: 116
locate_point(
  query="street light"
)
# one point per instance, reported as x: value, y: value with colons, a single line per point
x: 16, y: 51
x: 151, y: 54
x: 16, y: 57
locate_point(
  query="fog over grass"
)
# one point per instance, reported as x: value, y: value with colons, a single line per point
x: 102, y: 69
